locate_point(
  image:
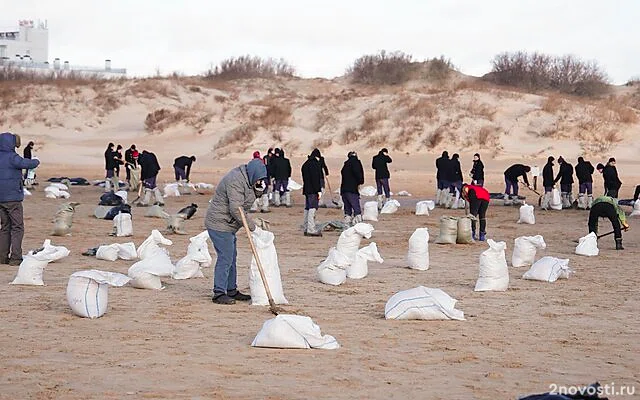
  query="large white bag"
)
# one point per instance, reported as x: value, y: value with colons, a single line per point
x: 263, y: 241
x: 368, y: 191
x: 155, y: 211
x: 293, y: 185
x: 556, y: 200
x: 88, y: 291
x: 464, y: 234
x: 494, y: 273
x: 123, y: 225
x: 526, y: 215
x: 636, y: 209
x: 55, y: 252
x: 154, y: 263
x: 588, y: 245
x: 524, y: 250
x: 418, y: 254
x: 422, y: 303
x: 370, y: 211
x: 548, y: 269
x: 448, y: 230
x: 359, y: 268
x: 332, y: 271
x: 53, y: 192
x: 293, y: 332
x: 390, y: 207
x: 423, y: 207
x: 349, y: 240
x: 32, y: 266
x: 171, y: 190
x: 151, y: 244
x: 111, y: 252
x: 198, y: 257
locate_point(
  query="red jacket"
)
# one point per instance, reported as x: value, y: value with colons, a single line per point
x: 479, y: 193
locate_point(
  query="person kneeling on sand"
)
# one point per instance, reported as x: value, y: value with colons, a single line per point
x: 478, y: 199
x: 240, y: 187
x: 607, y: 207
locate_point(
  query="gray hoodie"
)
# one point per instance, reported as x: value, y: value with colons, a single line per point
x: 234, y: 190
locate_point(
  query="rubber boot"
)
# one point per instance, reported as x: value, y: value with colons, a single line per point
x: 589, y: 201
x: 565, y: 201
x: 347, y: 220
x: 312, y: 229
x: 380, y: 201
x: 619, y: 244
x: 546, y: 201
x: 287, y: 199
x: 107, y: 185
x: 304, y: 221
x: 582, y: 201
x: 264, y: 199
x: 473, y: 234
x: 357, y: 219
x: 146, y: 200
x: 483, y: 236
x: 115, y: 183
x: 158, y: 195
x: 276, y: 199
x: 438, y: 197
x: 254, y: 206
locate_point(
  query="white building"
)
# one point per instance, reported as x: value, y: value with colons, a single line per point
x: 27, y: 40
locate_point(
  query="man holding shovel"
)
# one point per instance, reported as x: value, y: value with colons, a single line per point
x: 607, y: 207
x: 239, y: 188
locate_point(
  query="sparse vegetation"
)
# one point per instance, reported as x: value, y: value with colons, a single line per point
x: 248, y: 67
x: 377, y: 140
x: 322, y: 143
x: 382, y: 68
x: 552, y: 104
x: 439, y: 69
x: 372, y: 119
x: 349, y: 136
x: 275, y: 116
x: 159, y: 120
x: 244, y: 133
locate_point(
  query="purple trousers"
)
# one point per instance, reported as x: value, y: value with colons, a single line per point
x: 351, y: 204
x: 310, y: 201
x: 383, y: 184
x: 149, y: 183
x: 586, y: 187
x: 281, y: 186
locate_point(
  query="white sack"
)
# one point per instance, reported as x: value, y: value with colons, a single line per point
x: 349, y: 240
x: 32, y: 267
x: 636, y: 209
x: 154, y: 263
x: 123, y: 225
x: 125, y: 251
x: 464, y: 235
x: 359, y: 268
x: 524, y: 250
x: 448, y: 230
x: 123, y: 195
x: 526, y: 215
x: 263, y: 241
x: 548, y: 269
x: 368, y: 191
x: 58, y: 185
x: 293, y: 185
x: 198, y: 257
x: 204, y: 186
x: 404, y: 193
x: 332, y: 271
x: 151, y: 244
x: 370, y: 211
x: 293, y: 332
x: 423, y: 207
x: 101, y: 211
x: 88, y: 291
x: 26, y: 192
x: 588, y: 245
x: 171, y: 190
x: 418, y: 254
x: 55, y: 253
x: 422, y: 303
x: 556, y: 200
x: 155, y: 211
x: 390, y: 207
x: 494, y: 273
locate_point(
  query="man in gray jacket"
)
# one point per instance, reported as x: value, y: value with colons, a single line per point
x: 238, y: 188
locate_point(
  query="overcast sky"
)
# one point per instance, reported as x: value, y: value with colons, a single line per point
x: 321, y: 38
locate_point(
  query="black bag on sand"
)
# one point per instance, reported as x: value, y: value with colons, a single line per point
x: 123, y: 208
x: 110, y: 199
x: 591, y: 392
x: 189, y: 211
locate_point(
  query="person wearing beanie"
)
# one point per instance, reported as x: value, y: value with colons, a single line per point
x: 565, y: 177
x: 119, y: 161
x: 612, y: 183
x: 379, y: 163
x: 547, y: 183
x: 511, y: 176
x: 584, y: 173
x: 110, y: 164
x: 130, y: 162
x: 182, y: 167
x: 442, y: 185
x: 311, y: 188
x: 11, y: 197
x: 477, y: 171
x: 27, y: 154
x: 352, y: 175
x: 149, y: 170
x: 281, y: 173
x: 239, y: 188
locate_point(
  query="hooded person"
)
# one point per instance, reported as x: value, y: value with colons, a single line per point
x: 281, y: 174
x: 352, y: 175
x: 240, y: 187
x: 442, y: 164
x: 267, y: 162
x: 379, y: 163
x: 456, y: 185
x: 612, y: 183
x: 477, y: 171
x: 311, y: 188
x: 110, y: 164
x: 547, y: 183
x: 478, y: 199
x: 511, y: 176
x: 119, y: 160
x: 565, y: 177
x: 584, y: 173
x: 607, y: 207
x: 11, y: 197
x: 130, y: 161
x: 149, y: 172
x: 27, y: 154
x: 182, y: 167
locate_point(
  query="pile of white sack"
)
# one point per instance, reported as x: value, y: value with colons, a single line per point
x: 154, y: 263
x: 422, y: 303
x: 198, y: 257
x: 455, y: 230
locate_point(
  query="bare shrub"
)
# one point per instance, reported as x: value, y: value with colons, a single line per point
x: 408, y: 132
x: 275, y: 116
x: 107, y: 102
x: 481, y: 110
x: 195, y: 89
x: 376, y: 140
x: 322, y: 143
x: 440, y: 68
x: 151, y: 88
x: 382, y: 68
x: 160, y: 119
x: 324, y: 117
x: 220, y: 99
x: 422, y: 108
x: 552, y: 104
x: 247, y: 67
x: 244, y: 133
x: 371, y: 120
x: 635, y: 81
x: 626, y: 115
x: 487, y: 136
x: 349, y: 136
x: 434, y: 138
x: 537, y: 71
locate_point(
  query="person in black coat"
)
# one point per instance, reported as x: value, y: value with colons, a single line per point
x: 565, y: 177
x: 182, y: 167
x: 584, y: 173
x: 311, y: 188
x: 26, y: 154
x: 281, y: 172
x: 547, y: 182
x: 119, y: 161
x: 511, y: 176
x: 442, y: 184
x: 456, y: 174
x: 612, y: 183
x: 149, y: 169
x: 352, y: 176
x: 477, y: 171
x: 130, y: 161
x: 110, y: 164
x: 380, y: 164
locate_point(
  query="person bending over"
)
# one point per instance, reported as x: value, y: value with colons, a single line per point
x: 607, y: 207
x: 478, y: 198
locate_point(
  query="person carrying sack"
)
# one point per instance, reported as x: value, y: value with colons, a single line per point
x: 478, y: 199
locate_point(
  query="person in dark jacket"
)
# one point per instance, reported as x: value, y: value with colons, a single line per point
x: 456, y: 170
x: 11, y: 197
x: 149, y: 172
x: 478, y: 199
x: 182, y: 167
x: 612, y: 183
x: 380, y: 164
x: 565, y: 177
x: 600, y: 169
x: 511, y: 176
x: 442, y: 185
x: 584, y: 173
x: 311, y: 188
x: 130, y: 161
x: 27, y: 154
x: 477, y: 171
x: 607, y: 207
x: 110, y: 163
x: 119, y: 161
x: 547, y: 182
x: 352, y: 177
x: 281, y: 170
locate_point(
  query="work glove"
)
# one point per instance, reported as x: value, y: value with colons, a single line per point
x: 262, y: 223
x: 625, y: 227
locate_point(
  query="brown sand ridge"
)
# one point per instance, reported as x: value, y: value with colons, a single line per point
x: 175, y: 343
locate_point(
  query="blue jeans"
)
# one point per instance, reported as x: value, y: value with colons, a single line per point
x: 510, y: 185
x: 383, y: 185
x: 351, y: 204
x: 180, y: 173
x: 224, y: 275
x: 281, y: 186
x: 586, y: 187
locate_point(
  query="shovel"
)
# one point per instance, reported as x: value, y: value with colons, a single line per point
x: 601, y: 236
x: 534, y: 191
x: 275, y: 310
x: 333, y: 200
